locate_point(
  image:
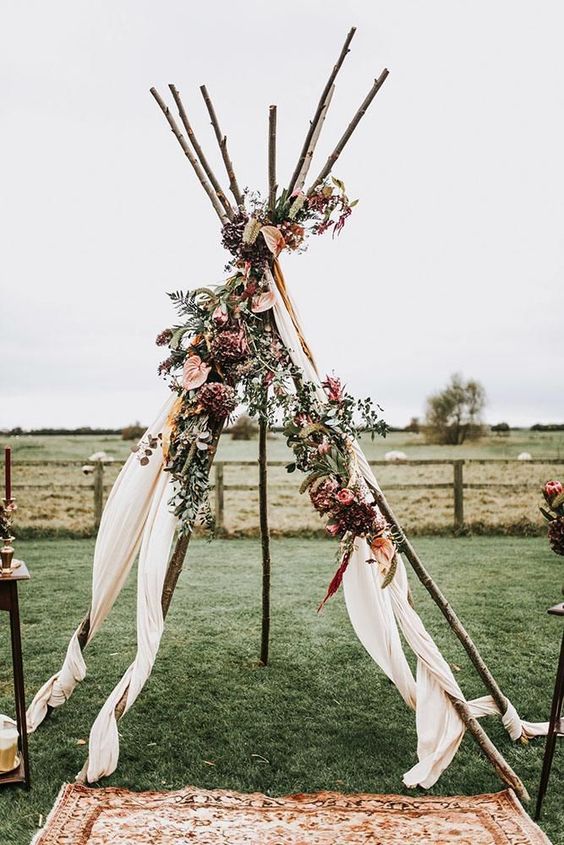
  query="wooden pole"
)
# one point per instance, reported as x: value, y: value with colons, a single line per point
x: 204, y: 181
x: 219, y: 499
x: 222, y: 141
x: 500, y: 764
x: 265, y: 540
x: 440, y: 600
x: 199, y: 152
x: 302, y: 176
x: 319, y: 116
x: 349, y: 130
x: 458, y: 484
x: 272, y: 160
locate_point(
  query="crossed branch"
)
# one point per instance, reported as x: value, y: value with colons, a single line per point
x: 211, y: 185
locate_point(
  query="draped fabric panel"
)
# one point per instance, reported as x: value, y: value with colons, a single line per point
x: 138, y: 517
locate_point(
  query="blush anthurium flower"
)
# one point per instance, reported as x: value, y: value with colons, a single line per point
x: 262, y: 302
x: 383, y: 550
x: 274, y: 239
x: 195, y: 372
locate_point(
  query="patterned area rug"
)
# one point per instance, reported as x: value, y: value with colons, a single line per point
x: 83, y: 816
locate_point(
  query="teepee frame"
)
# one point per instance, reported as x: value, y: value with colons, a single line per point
x: 226, y: 211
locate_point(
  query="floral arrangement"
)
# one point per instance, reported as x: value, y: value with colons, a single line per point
x: 553, y: 492
x: 225, y: 352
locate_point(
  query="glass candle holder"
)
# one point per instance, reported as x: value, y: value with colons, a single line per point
x: 8, y: 744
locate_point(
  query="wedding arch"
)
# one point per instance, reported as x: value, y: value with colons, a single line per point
x: 242, y: 342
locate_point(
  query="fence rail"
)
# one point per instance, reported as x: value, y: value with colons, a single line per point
x: 457, y: 484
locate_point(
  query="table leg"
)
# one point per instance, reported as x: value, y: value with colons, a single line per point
x: 554, y: 724
x: 19, y: 689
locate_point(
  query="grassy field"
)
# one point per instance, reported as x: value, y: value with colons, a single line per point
x: 64, y: 503
x: 321, y: 716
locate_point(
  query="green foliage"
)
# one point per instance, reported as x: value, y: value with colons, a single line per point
x: 454, y: 414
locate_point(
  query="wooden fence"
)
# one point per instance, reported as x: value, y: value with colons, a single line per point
x: 457, y: 485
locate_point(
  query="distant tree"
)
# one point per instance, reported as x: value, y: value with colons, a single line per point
x: 414, y: 425
x: 547, y: 427
x: 244, y: 428
x: 501, y: 428
x: 133, y: 432
x: 454, y: 414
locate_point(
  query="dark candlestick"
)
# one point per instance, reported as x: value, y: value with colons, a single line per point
x: 8, y: 472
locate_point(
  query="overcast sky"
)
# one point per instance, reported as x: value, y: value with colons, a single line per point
x: 452, y: 261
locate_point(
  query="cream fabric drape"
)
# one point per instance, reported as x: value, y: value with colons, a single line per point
x: 137, y: 518
x: 375, y: 615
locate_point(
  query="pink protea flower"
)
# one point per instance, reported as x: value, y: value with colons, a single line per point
x: 346, y: 496
x: 219, y: 316
x: 333, y: 389
x: 195, y: 372
x: 553, y: 489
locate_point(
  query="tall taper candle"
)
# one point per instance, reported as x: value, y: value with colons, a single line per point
x: 8, y: 473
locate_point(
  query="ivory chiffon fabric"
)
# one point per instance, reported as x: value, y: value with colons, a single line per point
x: 137, y: 520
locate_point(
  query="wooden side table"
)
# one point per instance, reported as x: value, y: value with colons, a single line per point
x: 556, y: 724
x: 9, y: 603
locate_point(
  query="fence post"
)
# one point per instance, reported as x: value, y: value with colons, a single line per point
x: 219, y: 498
x: 458, y: 484
x: 98, y: 493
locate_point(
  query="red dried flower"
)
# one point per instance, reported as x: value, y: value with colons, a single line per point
x: 164, y: 337
x: 323, y: 494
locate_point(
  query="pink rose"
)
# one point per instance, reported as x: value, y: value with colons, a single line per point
x: 553, y: 489
x: 345, y: 496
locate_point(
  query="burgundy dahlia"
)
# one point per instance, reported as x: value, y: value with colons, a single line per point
x: 323, y: 495
x: 230, y: 347
x: 556, y: 535
x: 358, y: 518
x: 219, y: 400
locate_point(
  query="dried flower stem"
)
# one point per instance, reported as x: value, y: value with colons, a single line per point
x: 207, y: 186
x: 349, y: 130
x: 317, y: 117
x: 199, y: 152
x: 271, y: 159
x: 222, y: 141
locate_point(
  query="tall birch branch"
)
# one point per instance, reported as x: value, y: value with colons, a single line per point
x: 199, y: 152
x: 206, y: 184
x: 323, y: 104
x: 222, y: 141
x: 349, y: 130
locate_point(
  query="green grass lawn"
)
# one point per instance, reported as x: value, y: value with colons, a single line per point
x: 321, y: 716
